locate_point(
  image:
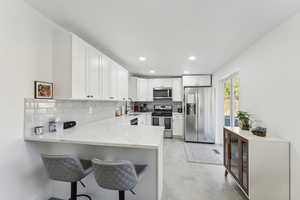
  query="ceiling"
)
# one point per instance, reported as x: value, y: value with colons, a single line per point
x: 167, y: 32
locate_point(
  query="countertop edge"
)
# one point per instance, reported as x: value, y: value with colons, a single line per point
x: 64, y: 141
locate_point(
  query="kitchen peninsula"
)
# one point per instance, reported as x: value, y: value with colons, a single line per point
x: 110, y: 139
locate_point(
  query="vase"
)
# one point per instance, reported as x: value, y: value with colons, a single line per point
x: 244, y: 124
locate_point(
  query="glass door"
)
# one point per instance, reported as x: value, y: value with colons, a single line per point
x: 244, y: 168
x: 234, y: 156
x: 231, y: 100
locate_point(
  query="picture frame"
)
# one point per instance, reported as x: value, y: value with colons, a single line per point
x: 43, y: 90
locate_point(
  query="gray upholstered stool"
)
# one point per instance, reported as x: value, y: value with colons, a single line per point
x: 118, y: 175
x: 69, y: 169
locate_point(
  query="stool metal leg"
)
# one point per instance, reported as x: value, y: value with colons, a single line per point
x: 73, y: 191
x: 121, y: 195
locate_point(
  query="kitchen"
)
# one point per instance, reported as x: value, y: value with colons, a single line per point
x: 156, y: 103
x: 152, y: 100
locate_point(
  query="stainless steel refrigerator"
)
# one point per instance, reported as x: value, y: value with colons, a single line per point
x: 198, y: 115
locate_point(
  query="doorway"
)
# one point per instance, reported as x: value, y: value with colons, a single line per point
x: 231, y: 100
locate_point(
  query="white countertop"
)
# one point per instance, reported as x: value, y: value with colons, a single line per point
x: 249, y: 136
x: 115, y: 132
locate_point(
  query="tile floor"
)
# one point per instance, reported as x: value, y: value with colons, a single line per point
x: 193, y: 181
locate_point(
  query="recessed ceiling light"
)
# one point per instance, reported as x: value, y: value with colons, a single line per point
x: 186, y: 72
x: 152, y: 71
x: 141, y: 58
x: 192, y: 58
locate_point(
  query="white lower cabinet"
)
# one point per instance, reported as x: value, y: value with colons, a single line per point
x: 145, y: 119
x: 178, y: 124
x: 149, y: 119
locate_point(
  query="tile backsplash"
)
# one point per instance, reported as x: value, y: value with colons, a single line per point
x: 39, y: 112
x: 150, y: 105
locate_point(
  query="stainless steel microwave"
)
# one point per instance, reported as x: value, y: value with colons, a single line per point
x: 162, y: 93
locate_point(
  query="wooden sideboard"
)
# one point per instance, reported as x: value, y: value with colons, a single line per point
x: 260, y: 165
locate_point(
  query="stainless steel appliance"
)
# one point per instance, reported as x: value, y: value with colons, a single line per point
x: 162, y: 93
x: 198, y: 115
x: 162, y: 116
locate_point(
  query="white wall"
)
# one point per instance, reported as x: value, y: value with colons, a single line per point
x: 25, y: 56
x: 270, y: 81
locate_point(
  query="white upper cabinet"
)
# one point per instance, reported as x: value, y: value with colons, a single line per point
x: 197, y: 80
x: 167, y: 82
x: 113, y: 81
x: 132, y: 90
x: 80, y: 71
x: 110, y: 78
x: 161, y: 82
x: 142, y: 87
x: 93, y: 75
x: 122, y: 83
x: 177, y: 89
x: 105, y: 77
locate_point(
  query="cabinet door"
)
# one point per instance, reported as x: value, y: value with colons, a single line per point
x: 149, y: 90
x: 132, y: 90
x: 105, y: 78
x: 78, y: 68
x: 177, y: 89
x: 142, y: 87
x: 122, y: 83
x: 167, y: 82
x: 92, y: 75
x: 234, y: 156
x: 244, y: 172
x: 178, y: 125
x: 226, y: 142
x: 113, y: 75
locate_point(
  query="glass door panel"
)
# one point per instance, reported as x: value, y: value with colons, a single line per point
x: 231, y: 100
x: 234, y: 155
x: 236, y: 99
x: 227, y: 102
x: 226, y: 148
x: 245, y: 165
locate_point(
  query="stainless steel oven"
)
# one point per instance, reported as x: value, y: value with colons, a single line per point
x: 162, y: 116
x: 162, y: 93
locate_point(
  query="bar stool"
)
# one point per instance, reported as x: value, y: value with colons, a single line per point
x: 68, y: 168
x: 118, y: 175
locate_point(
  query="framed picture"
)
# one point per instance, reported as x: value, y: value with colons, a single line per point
x: 43, y: 90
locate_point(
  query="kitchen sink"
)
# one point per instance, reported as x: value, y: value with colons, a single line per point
x: 133, y: 114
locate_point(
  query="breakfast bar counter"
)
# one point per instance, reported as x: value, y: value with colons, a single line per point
x: 110, y: 139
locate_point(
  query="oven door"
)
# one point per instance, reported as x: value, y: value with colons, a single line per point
x: 161, y: 121
x: 168, y: 123
x: 155, y: 121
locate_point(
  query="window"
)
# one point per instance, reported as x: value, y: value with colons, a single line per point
x: 231, y: 100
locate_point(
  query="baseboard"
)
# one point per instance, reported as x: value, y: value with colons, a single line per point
x: 178, y: 137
